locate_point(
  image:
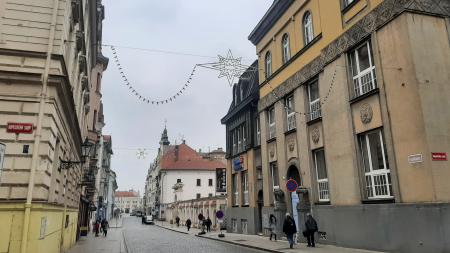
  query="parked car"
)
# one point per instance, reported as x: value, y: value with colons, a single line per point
x: 149, y: 220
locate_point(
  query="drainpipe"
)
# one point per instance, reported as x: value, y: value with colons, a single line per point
x: 37, y: 136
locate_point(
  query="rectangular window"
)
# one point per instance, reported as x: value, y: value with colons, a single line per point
x: 375, y: 165
x: 244, y: 137
x: 239, y: 143
x: 290, y: 113
x: 314, y: 100
x: 348, y: 2
x: 244, y: 181
x: 199, y: 182
x: 234, y: 137
x: 198, y: 195
x: 210, y: 182
x: 322, y: 177
x: 210, y: 195
x: 363, y: 69
x: 258, y: 132
x: 271, y: 120
x: 178, y: 180
x: 274, y: 176
x: 235, y: 190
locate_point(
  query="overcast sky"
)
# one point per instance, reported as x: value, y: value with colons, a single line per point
x: 200, y: 27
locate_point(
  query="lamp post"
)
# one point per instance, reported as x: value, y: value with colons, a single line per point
x: 87, y: 150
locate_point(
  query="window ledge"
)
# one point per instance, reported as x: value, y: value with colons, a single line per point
x: 364, y: 96
x: 290, y: 131
x: 272, y: 140
x: 314, y: 121
x: 246, y: 205
x: 349, y: 6
x: 378, y: 201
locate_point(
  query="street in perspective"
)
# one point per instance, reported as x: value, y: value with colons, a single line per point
x: 283, y: 126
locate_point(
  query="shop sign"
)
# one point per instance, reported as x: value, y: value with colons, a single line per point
x: 439, y: 156
x: 19, y: 128
x: 238, y: 163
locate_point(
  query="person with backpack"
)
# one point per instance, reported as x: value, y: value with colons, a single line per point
x: 310, y: 229
x: 289, y: 228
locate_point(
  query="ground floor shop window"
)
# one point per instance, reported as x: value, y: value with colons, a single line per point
x: 234, y: 227
x: 322, y: 177
x: 377, y: 175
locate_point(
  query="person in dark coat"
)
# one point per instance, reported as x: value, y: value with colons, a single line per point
x: 96, y: 227
x: 143, y: 219
x: 310, y: 229
x: 208, y: 224
x: 289, y: 228
x: 188, y: 224
x: 177, y: 221
x: 105, y: 226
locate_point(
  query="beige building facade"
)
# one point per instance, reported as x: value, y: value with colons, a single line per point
x: 366, y: 83
x: 48, y: 50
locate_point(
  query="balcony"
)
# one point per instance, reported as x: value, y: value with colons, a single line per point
x: 315, y: 109
x: 364, y: 82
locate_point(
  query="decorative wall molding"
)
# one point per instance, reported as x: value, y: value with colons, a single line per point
x: 315, y: 135
x: 375, y: 20
x: 366, y: 113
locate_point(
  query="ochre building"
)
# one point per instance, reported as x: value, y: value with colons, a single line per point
x: 354, y: 106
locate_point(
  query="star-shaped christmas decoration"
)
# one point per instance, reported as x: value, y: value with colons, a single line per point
x: 228, y: 66
x: 141, y: 153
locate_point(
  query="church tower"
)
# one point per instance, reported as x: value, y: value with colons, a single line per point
x: 164, y: 143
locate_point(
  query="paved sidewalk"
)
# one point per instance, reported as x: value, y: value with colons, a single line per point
x: 263, y: 243
x: 113, y: 243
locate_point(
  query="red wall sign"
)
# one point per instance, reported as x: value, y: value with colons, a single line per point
x: 20, y: 128
x: 439, y: 156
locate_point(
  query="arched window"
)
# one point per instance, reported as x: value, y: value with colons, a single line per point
x: 308, y: 32
x: 286, y: 48
x: 268, y: 64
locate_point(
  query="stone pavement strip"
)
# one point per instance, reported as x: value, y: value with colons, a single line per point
x: 113, y: 243
x: 263, y: 243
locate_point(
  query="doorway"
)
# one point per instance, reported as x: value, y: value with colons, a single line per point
x: 294, y: 174
x: 260, y: 206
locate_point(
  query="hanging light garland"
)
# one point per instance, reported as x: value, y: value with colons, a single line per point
x: 142, y: 97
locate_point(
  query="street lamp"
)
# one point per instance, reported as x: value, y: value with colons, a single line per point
x: 87, y: 150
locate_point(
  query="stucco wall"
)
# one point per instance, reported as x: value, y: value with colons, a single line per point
x: 190, y: 188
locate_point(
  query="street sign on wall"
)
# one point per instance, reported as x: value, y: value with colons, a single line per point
x: 19, y: 128
x: 439, y: 156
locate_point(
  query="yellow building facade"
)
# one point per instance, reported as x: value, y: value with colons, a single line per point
x: 47, y: 57
x: 354, y: 107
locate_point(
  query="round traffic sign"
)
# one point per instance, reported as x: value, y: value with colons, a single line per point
x: 291, y: 185
x: 200, y: 217
x: 219, y: 214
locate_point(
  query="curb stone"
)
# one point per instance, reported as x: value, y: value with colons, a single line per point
x: 182, y: 232
x: 240, y: 244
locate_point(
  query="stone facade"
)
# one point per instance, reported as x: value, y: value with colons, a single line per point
x: 369, y: 95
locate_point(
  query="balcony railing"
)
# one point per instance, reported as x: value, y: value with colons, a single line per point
x: 324, y: 192
x: 364, y: 82
x: 315, y: 109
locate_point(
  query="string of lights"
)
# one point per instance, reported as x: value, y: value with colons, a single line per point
x: 143, y: 98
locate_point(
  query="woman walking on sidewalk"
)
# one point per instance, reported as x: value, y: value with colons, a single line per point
x: 273, y: 227
x: 289, y: 228
x: 105, y: 226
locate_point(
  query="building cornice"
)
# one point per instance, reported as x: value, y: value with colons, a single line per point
x: 278, y: 8
x: 375, y: 20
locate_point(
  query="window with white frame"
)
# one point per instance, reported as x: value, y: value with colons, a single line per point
x: 244, y: 181
x: 376, y: 167
x: 258, y: 132
x: 239, y: 143
x: 274, y: 176
x: 308, y: 31
x: 271, y: 120
x: 363, y: 69
x: 235, y: 190
x: 268, y: 64
x: 322, y: 176
x: 314, y: 100
x: 290, y: 113
x: 286, y: 48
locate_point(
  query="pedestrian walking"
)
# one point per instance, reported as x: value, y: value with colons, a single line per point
x: 188, y: 224
x: 177, y: 221
x: 143, y: 219
x: 208, y: 224
x: 96, y: 228
x: 105, y: 226
x: 310, y: 229
x: 273, y: 227
x: 289, y: 228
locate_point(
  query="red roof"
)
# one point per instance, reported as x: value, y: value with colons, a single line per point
x: 126, y: 194
x: 183, y: 157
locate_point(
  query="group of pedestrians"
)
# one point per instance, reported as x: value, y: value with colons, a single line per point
x: 205, y: 224
x: 290, y: 229
x: 101, y: 226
